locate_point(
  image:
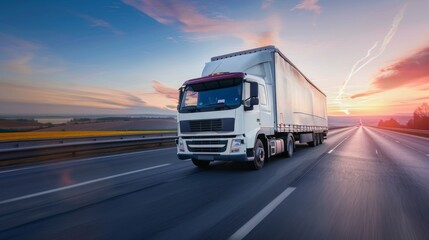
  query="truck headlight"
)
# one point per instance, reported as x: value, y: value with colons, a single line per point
x: 181, y: 145
x: 236, y: 144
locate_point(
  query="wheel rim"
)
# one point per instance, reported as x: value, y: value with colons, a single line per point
x: 261, y: 154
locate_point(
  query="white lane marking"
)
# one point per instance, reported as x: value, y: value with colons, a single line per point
x: 397, y: 141
x: 83, y: 160
x: 376, y: 152
x: 255, y: 220
x: 337, y: 145
x: 427, y: 154
x: 80, y: 184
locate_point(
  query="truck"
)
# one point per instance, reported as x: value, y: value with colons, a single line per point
x: 249, y: 106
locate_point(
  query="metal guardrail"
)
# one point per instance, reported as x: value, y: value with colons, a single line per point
x: 417, y: 132
x: 64, y: 148
x: 5, y: 144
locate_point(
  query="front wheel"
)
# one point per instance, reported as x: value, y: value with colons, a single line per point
x: 259, y: 156
x: 201, y: 164
x: 289, y: 147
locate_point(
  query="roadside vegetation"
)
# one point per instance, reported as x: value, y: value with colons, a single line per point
x: 420, y: 120
x: 14, y: 136
x: 418, y: 125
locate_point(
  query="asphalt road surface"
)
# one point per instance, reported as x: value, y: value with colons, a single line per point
x: 361, y: 183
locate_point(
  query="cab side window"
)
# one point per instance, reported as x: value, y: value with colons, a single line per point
x: 246, y: 90
x: 262, y: 95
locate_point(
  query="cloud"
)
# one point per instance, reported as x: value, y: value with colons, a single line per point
x: 189, y: 19
x: 21, y: 65
x: 69, y: 95
x: 309, y: 5
x: 24, y: 57
x: 408, y: 72
x: 266, y: 4
x: 96, y: 22
x: 165, y: 90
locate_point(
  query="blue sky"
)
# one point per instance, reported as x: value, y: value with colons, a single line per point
x: 118, y: 57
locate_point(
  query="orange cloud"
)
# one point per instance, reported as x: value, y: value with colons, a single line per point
x: 410, y: 72
x: 189, y: 19
x: 165, y: 90
x: 309, y: 5
x: 73, y: 96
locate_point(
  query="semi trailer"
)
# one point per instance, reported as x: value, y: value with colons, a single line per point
x: 249, y: 106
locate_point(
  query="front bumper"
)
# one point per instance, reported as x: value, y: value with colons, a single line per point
x: 215, y: 157
x: 213, y: 148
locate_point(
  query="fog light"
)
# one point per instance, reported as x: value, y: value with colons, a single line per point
x: 181, y: 145
x: 235, y: 145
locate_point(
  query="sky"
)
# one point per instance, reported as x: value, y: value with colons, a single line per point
x: 131, y: 56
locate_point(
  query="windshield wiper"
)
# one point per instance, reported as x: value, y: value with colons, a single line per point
x: 218, y: 105
x: 191, y: 109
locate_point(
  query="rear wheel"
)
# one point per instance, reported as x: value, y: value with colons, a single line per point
x: 314, y: 142
x: 201, y: 164
x: 259, y: 156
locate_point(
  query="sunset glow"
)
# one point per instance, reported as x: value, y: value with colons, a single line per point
x: 130, y: 57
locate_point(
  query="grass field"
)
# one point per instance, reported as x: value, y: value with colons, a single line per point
x: 14, y: 136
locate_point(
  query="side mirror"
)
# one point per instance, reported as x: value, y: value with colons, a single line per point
x: 254, y: 101
x: 253, y: 90
x: 250, y: 102
x: 181, y: 90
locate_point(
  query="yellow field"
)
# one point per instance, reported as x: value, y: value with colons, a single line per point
x: 71, y: 134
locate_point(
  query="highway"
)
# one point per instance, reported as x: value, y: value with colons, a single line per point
x: 361, y: 183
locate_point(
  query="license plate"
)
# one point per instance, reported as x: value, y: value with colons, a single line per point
x: 203, y: 157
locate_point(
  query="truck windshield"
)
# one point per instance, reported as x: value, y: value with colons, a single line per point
x: 212, y: 96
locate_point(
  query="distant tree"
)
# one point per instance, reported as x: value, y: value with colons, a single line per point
x: 421, y: 117
x: 392, y: 123
x: 410, y: 123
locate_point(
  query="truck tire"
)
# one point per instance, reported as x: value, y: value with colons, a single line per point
x: 201, y: 164
x: 321, y: 138
x: 314, y: 142
x: 259, y: 156
x: 289, y: 147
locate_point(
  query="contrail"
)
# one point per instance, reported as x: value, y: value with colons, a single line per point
x: 353, y: 71
x: 358, y: 66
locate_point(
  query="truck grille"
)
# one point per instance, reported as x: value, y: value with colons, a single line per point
x: 211, y: 146
x: 208, y: 125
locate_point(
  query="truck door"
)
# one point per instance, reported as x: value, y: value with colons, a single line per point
x: 252, y: 118
x: 264, y: 109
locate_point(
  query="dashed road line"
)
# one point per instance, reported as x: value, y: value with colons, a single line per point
x: 337, y: 145
x: 261, y: 215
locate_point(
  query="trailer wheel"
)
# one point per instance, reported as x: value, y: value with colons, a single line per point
x: 289, y: 147
x: 201, y: 164
x: 259, y: 153
x: 321, y: 138
x: 314, y: 142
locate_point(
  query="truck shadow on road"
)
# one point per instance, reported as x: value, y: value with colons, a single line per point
x: 221, y: 166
